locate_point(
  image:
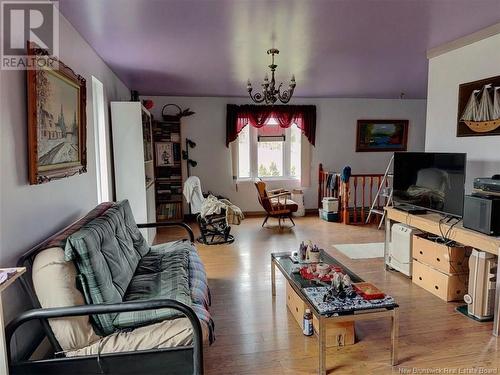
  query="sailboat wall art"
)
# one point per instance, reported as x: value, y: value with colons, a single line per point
x: 479, y: 108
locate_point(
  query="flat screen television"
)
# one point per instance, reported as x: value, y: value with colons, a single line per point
x: 430, y: 181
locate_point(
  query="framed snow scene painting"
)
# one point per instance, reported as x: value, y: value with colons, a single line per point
x: 56, y: 119
x: 479, y: 108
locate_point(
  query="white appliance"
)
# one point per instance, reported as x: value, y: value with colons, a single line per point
x: 400, y: 247
x: 133, y: 161
x: 482, y: 280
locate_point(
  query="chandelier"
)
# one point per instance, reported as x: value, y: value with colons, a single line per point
x: 270, y: 94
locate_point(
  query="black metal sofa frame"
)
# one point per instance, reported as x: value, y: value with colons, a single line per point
x: 177, y: 360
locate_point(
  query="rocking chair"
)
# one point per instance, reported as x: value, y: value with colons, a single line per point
x: 214, y: 229
x: 276, y: 203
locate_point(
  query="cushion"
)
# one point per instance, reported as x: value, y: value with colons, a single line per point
x: 166, y: 334
x: 107, y: 251
x: 160, y: 275
x: 290, y: 205
x: 59, y: 240
x: 54, y: 283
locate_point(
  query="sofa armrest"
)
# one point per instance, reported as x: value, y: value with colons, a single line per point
x: 58, y: 312
x: 163, y: 225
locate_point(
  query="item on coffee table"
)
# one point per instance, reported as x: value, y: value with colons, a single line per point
x: 314, y: 255
x: 323, y: 269
x: 309, y: 248
x: 368, y: 291
x: 336, y: 280
x: 302, y: 251
x: 341, y: 286
x: 310, y: 272
x: 346, y: 281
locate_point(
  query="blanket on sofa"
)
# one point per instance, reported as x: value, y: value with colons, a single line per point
x: 200, y: 292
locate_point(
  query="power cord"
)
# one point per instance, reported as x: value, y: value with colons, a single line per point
x: 449, y: 243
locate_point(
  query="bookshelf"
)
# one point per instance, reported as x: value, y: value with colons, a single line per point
x: 168, y: 169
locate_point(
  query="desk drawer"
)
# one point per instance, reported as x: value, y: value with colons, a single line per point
x: 452, y: 260
x: 336, y: 333
x: 445, y: 286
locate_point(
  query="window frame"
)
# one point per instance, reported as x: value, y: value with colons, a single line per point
x: 254, y: 157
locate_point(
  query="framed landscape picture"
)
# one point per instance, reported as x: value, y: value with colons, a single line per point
x: 381, y: 135
x: 56, y: 120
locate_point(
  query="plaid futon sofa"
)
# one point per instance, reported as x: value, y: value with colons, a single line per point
x: 116, y: 264
x: 104, y: 260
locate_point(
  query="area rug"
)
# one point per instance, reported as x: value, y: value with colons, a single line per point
x: 362, y: 250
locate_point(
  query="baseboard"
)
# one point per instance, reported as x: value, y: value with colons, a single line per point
x: 254, y: 213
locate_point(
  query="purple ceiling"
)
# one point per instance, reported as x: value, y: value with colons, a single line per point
x: 335, y: 48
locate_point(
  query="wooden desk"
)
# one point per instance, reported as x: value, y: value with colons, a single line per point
x: 4, y: 361
x: 430, y: 223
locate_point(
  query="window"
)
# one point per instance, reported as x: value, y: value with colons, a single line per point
x: 270, y: 158
x: 101, y: 147
x: 269, y: 152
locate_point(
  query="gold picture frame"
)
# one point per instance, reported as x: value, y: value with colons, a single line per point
x: 56, y: 119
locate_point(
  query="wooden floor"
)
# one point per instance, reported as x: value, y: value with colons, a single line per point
x: 258, y: 336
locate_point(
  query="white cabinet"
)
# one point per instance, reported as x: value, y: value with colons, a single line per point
x: 133, y: 161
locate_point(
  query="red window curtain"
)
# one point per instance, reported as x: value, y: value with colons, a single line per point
x: 239, y: 116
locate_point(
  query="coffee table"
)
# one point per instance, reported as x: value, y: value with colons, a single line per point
x: 388, y: 309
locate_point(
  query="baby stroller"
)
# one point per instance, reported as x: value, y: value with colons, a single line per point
x: 214, y: 229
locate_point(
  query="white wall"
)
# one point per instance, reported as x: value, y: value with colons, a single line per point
x: 335, y: 139
x: 470, y: 63
x: 28, y: 214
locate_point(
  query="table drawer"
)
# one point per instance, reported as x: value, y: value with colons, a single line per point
x: 445, y: 286
x: 453, y: 259
x: 295, y: 304
x: 336, y: 333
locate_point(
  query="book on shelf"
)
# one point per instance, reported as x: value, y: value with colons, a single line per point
x: 164, y: 191
x: 167, y: 211
x: 176, y: 150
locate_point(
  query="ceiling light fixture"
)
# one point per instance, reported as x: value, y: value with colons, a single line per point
x: 270, y: 94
